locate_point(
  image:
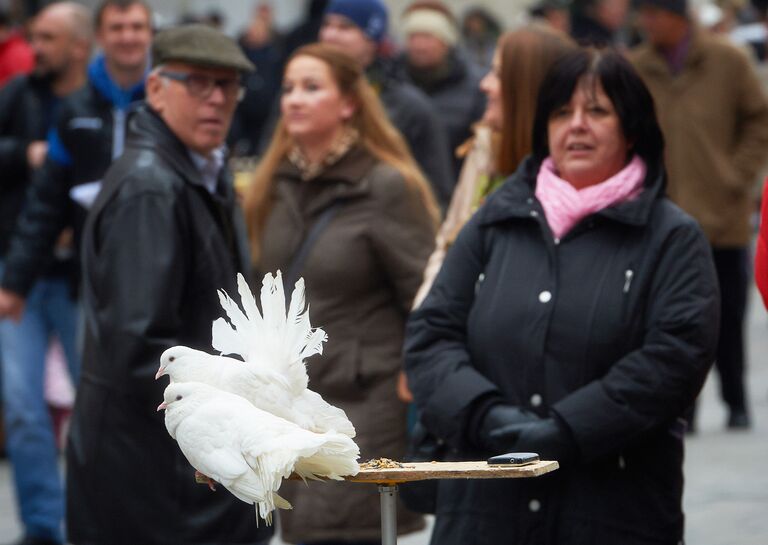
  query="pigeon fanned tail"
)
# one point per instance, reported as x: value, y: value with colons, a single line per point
x: 227, y: 340
x: 271, y: 337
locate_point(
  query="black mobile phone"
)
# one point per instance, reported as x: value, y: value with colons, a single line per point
x: 514, y: 458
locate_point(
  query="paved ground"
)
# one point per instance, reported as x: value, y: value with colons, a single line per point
x: 726, y: 495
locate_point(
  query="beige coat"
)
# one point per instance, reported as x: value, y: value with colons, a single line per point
x: 478, y: 163
x: 361, y: 276
x: 714, y: 116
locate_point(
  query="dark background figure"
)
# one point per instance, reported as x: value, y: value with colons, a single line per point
x: 359, y: 27
x: 16, y: 55
x: 89, y: 134
x: 714, y: 114
x: 598, y: 22
x: 587, y: 267
x: 553, y: 13
x: 61, y: 38
x: 480, y: 30
x: 307, y: 31
x: 163, y: 235
x: 214, y: 18
x: 264, y: 48
x: 760, y: 46
x: 434, y: 62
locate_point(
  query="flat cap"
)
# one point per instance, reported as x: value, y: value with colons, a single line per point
x: 199, y: 45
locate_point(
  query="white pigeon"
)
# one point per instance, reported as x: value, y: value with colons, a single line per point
x: 273, y: 346
x: 247, y: 450
x: 263, y: 386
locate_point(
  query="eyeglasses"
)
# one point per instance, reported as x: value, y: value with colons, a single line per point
x: 200, y: 86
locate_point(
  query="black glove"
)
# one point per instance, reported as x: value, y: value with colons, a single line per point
x: 549, y: 437
x: 498, y: 417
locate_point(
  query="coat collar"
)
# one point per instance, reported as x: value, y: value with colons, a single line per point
x: 345, y: 179
x: 516, y: 198
x: 109, y: 90
x: 655, y: 63
x: 146, y: 130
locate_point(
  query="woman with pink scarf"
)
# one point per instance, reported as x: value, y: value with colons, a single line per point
x: 575, y: 316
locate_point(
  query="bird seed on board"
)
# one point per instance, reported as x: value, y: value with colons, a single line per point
x: 381, y: 463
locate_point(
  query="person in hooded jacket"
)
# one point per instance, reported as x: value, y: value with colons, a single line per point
x: 575, y: 316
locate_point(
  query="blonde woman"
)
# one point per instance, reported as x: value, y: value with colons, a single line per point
x: 334, y: 149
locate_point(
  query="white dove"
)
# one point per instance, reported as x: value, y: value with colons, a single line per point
x: 264, y: 387
x: 273, y: 375
x: 247, y: 450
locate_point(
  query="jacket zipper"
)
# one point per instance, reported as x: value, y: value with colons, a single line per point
x: 628, y: 274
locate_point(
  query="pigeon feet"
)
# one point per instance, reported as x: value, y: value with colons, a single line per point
x: 200, y: 478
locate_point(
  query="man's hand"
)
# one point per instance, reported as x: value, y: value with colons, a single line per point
x: 36, y: 152
x: 11, y: 305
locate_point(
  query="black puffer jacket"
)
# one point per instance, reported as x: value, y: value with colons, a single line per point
x: 612, y: 330
x: 411, y: 112
x: 89, y: 134
x: 454, y: 92
x: 26, y: 105
x: 156, y: 247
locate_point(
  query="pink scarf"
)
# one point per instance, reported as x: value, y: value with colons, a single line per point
x: 564, y: 205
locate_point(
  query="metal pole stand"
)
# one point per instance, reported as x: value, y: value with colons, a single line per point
x: 388, y: 495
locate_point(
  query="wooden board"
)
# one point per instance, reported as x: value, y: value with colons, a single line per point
x: 420, y: 471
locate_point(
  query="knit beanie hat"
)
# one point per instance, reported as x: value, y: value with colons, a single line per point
x: 369, y: 15
x: 678, y: 7
x: 431, y: 18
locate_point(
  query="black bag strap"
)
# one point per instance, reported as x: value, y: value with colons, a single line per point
x: 298, y: 259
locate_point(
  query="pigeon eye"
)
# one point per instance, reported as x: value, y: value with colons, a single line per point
x: 172, y: 358
x: 178, y: 398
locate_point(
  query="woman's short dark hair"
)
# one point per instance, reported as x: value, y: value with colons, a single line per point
x: 622, y: 84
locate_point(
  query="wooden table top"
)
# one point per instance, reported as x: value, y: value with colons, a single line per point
x: 420, y: 471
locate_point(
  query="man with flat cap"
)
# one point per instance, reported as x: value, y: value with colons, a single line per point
x: 163, y: 235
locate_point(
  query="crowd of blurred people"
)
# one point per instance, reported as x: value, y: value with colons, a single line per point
x: 586, y: 181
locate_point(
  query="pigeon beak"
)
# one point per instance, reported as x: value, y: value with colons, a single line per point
x: 162, y: 406
x: 160, y: 372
